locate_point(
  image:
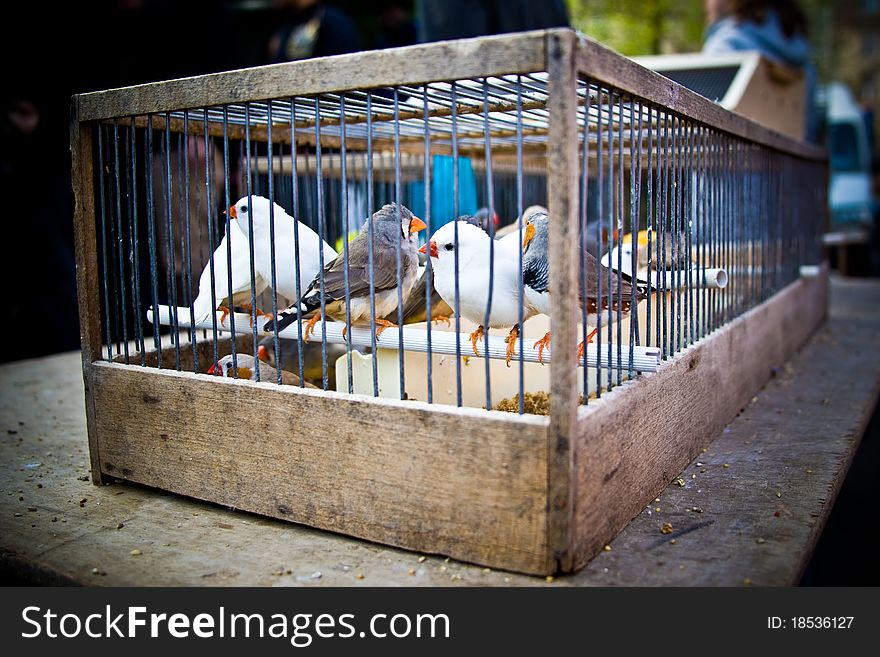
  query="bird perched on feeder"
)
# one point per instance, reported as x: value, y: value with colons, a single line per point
x: 475, y: 279
x: 393, y: 224
x: 223, y: 299
x: 536, y: 290
x: 244, y: 369
x: 289, y: 233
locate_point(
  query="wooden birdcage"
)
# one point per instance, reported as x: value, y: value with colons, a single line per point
x: 530, y: 493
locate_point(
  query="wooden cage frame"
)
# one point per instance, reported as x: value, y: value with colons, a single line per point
x: 533, y: 494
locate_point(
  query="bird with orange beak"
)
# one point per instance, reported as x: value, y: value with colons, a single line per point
x: 274, y: 233
x: 596, y: 295
x: 244, y: 365
x: 393, y: 227
x: 476, y: 278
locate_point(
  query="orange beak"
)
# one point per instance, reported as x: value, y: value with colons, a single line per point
x: 416, y: 225
x: 262, y: 353
x: 433, y: 246
x: 233, y: 212
x: 528, y: 233
x: 213, y: 369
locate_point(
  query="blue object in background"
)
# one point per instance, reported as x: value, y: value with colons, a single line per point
x: 442, y: 210
x: 416, y: 196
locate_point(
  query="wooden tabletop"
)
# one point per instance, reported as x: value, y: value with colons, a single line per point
x: 747, y: 511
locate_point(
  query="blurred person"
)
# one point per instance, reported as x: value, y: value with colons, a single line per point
x: 776, y: 28
x: 312, y: 29
x: 459, y: 19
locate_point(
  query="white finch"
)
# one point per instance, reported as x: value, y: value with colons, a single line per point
x: 241, y: 278
x: 289, y: 233
x: 475, y: 281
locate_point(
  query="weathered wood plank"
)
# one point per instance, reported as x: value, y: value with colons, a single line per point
x: 444, y: 60
x: 86, y: 254
x: 632, y: 442
x: 461, y: 482
x: 603, y: 65
x: 767, y: 483
x: 562, y: 194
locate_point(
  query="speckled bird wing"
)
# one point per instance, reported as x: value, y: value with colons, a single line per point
x: 384, y: 268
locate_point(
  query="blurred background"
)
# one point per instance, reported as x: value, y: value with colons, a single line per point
x: 54, y: 51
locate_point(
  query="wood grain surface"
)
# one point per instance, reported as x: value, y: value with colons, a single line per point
x: 631, y: 443
x: 795, y: 438
x: 460, y: 482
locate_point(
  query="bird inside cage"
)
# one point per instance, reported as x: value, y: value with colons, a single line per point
x: 347, y: 287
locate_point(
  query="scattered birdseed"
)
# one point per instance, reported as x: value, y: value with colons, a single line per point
x: 443, y: 568
x: 778, y: 494
x: 657, y: 509
x: 32, y: 509
x: 422, y: 559
x: 359, y: 576
x: 455, y: 578
x: 747, y: 581
x: 83, y: 478
x: 680, y: 481
x: 487, y: 570
x: 119, y: 525
x: 95, y: 571
x: 760, y: 540
x: 698, y: 464
x: 697, y: 509
x: 725, y: 465
x: 666, y: 528
x: 550, y: 578
x: 411, y: 571
x: 315, y: 575
x: 17, y: 515
x: 135, y: 553
x: 607, y: 548
x: 673, y: 541
x: 809, y: 471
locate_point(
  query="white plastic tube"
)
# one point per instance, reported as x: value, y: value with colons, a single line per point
x: 645, y: 359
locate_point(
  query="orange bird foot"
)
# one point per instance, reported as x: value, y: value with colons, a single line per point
x: 310, y: 327
x: 588, y: 341
x: 541, y: 345
x: 225, y: 310
x: 442, y: 318
x: 381, y: 325
x: 474, y: 337
x: 511, y: 342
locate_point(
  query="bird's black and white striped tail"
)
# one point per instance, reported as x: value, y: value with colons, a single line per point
x: 290, y: 315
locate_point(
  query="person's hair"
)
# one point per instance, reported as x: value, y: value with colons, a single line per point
x: 791, y: 16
